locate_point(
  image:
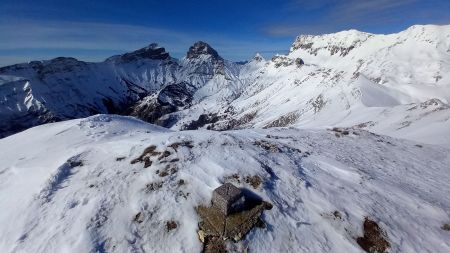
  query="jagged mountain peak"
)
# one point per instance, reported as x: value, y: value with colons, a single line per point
x: 201, y: 48
x: 258, y: 57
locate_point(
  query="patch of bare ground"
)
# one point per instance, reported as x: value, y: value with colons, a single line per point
x: 336, y: 215
x: 446, y: 227
x: 145, y: 156
x: 171, y: 225
x: 139, y: 217
x: 181, y: 182
x: 233, y: 177
x: 267, y: 146
x: 150, y: 187
x: 168, y: 170
x: 147, y: 162
x: 121, y: 158
x: 176, y: 145
x: 339, y: 132
x: 165, y: 154
x: 374, y: 239
x: 255, y: 181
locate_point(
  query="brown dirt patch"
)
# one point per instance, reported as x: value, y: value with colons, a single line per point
x: 147, y: 162
x: 233, y: 177
x: 337, y: 215
x: 340, y: 131
x: 171, y: 225
x: 176, y: 145
x: 255, y: 181
x: 446, y: 227
x: 165, y: 154
x: 139, y: 217
x: 149, y: 151
x: 168, y: 170
x: 374, y: 239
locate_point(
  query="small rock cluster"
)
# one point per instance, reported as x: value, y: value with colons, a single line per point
x: 284, y: 61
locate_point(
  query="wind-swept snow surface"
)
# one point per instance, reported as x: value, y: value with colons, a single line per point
x: 72, y: 187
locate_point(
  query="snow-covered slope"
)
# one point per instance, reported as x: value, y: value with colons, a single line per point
x: 397, y: 84
x: 70, y: 187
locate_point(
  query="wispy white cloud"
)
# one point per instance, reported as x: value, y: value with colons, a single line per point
x: 81, y: 35
x: 344, y: 14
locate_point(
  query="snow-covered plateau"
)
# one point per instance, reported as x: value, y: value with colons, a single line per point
x: 347, y: 136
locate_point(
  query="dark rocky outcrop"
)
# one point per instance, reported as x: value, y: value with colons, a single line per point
x: 282, y: 61
x: 153, y: 52
x: 201, y: 48
x: 178, y: 94
x: 170, y: 99
x: 202, y: 120
x: 374, y: 239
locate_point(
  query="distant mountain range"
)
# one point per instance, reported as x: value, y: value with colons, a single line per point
x: 397, y: 84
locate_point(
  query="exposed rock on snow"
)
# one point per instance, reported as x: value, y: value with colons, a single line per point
x: 374, y: 238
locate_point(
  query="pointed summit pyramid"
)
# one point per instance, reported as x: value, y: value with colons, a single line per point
x: 258, y: 57
x: 201, y: 48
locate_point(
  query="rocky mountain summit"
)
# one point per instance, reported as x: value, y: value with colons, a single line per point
x: 202, y: 48
x: 152, y: 52
x: 350, y: 78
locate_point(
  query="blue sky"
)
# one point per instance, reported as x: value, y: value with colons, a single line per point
x: 95, y: 29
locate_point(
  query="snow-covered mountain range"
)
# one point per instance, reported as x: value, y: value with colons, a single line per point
x: 339, y: 135
x: 395, y: 84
